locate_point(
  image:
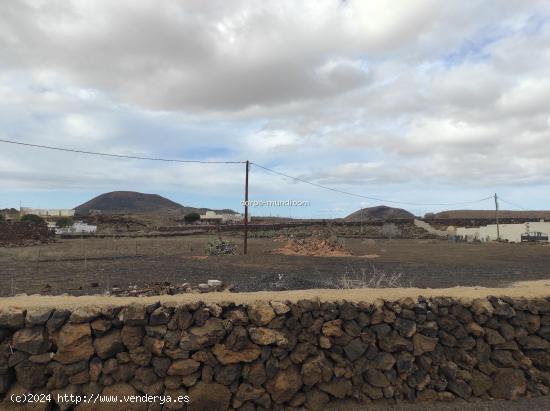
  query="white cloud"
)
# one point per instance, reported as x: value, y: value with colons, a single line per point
x: 368, y: 96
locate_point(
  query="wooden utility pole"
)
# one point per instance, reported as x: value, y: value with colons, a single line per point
x: 245, y: 245
x: 496, y: 217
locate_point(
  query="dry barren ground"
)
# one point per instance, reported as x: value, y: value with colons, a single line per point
x: 524, y: 404
x: 91, y: 266
x: 529, y: 289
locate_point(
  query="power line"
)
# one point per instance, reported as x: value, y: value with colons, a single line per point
x: 513, y: 204
x: 173, y: 160
x: 364, y: 196
x: 168, y: 160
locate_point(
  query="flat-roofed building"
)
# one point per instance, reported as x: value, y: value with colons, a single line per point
x: 224, y: 218
x: 48, y: 212
x: 507, y: 232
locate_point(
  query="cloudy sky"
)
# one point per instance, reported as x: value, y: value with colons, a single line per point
x: 419, y: 101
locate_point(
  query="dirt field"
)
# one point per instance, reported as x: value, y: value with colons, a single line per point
x: 524, y: 404
x: 91, y: 266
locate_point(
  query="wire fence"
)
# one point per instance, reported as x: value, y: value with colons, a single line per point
x: 96, y: 265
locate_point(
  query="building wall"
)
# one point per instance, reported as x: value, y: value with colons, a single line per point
x: 211, y: 216
x: 48, y: 212
x: 509, y: 232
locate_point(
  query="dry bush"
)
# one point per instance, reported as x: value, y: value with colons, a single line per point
x: 363, y: 278
x: 220, y: 247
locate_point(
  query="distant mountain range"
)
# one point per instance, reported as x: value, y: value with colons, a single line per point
x: 380, y: 213
x: 131, y: 202
x: 489, y: 214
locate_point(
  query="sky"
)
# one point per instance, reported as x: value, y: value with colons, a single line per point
x: 419, y: 102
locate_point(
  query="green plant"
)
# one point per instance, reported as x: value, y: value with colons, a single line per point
x: 192, y: 217
x: 64, y: 222
x: 220, y: 247
x: 33, y: 218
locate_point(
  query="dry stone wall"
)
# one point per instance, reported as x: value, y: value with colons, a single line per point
x: 277, y: 355
x: 22, y: 233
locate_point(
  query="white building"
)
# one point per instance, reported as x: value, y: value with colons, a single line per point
x: 226, y: 218
x: 508, y: 232
x: 78, y: 227
x: 47, y: 212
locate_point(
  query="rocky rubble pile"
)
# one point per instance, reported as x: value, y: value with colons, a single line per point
x: 314, y: 246
x: 280, y: 355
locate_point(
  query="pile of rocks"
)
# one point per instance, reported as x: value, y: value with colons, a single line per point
x: 280, y: 355
x: 314, y: 246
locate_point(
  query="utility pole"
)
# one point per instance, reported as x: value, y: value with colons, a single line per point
x: 245, y: 245
x: 496, y: 217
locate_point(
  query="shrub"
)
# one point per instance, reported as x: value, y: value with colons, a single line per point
x: 390, y: 230
x: 220, y: 247
x: 373, y: 278
x: 33, y: 218
x: 64, y: 222
x: 192, y: 217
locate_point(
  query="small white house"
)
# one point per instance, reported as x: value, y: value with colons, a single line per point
x: 225, y: 218
x: 78, y: 227
x: 508, y: 232
x: 47, y: 212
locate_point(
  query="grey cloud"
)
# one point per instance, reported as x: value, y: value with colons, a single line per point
x: 180, y: 56
x: 339, y: 92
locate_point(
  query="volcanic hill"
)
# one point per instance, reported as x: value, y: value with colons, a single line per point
x: 131, y: 202
x: 380, y: 213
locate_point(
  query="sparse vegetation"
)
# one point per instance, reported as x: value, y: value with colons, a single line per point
x: 390, y: 231
x: 33, y: 218
x: 70, y: 265
x: 191, y: 218
x: 371, y: 279
x: 220, y: 247
x: 64, y: 222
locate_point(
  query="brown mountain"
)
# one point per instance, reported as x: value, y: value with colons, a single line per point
x: 380, y: 213
x: 131, y: 202
x: 489, y: 214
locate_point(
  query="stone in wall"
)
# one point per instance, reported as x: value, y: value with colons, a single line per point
x: 271, y: 355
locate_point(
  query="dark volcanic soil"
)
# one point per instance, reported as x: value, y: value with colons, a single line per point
x: 523, y: 404
x: 94, y: 265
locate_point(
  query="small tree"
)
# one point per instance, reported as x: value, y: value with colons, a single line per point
x: 33, y: 218
x: 390, y: 230
x: 64, y: 222
x: 192, y: 218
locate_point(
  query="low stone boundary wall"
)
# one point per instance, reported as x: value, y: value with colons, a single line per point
x: 274, y: 355
x: 22, y: 232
